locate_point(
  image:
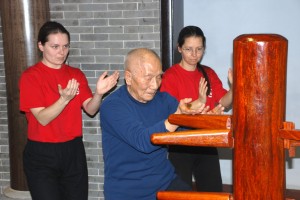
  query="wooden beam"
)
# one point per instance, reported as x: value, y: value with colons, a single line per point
x: 172, y: 195
x: 290, y: 134
x: 201, y: 121
x: 208, y: 138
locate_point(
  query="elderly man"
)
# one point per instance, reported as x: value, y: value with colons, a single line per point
x: 135, y: 169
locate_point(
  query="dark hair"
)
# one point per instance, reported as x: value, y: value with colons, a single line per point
x: 51, y: 27
x: 194, y: 31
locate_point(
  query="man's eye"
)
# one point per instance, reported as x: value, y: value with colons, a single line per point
x: 148, y: 78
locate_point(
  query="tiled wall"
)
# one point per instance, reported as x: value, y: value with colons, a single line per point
x: 102, y: 32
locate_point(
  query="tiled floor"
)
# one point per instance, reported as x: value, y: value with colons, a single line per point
x: 2, y: 197
x: 14, y: 194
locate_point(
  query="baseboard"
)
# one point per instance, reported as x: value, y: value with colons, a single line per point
x: 289, y: 193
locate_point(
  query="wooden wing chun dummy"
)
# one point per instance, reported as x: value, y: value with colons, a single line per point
x: 258, y: 134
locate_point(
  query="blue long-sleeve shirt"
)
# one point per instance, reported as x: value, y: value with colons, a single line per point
x: 134, y: 168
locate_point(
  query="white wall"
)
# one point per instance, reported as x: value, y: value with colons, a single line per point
x: 222, y: 21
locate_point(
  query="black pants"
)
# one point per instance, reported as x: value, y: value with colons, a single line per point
x: 56, y: 171
x: 179, y: 185
x: 200, y: 162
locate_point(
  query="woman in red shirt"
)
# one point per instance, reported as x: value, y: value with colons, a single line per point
x: 52, y: 95
x: 190, y: 79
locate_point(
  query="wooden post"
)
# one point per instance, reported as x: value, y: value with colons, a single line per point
x: 258, y: 113
x: 21, y: 20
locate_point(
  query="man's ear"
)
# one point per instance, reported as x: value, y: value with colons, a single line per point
x: 128, y: 77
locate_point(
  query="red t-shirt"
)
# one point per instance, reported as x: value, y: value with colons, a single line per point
x: 39, y: 88
x: 181, y: 84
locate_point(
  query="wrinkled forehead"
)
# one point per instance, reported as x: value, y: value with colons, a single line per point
x: 145, y: 64
x: 151, y: 68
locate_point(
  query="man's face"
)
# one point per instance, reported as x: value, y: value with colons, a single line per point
x: 144, y: 81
